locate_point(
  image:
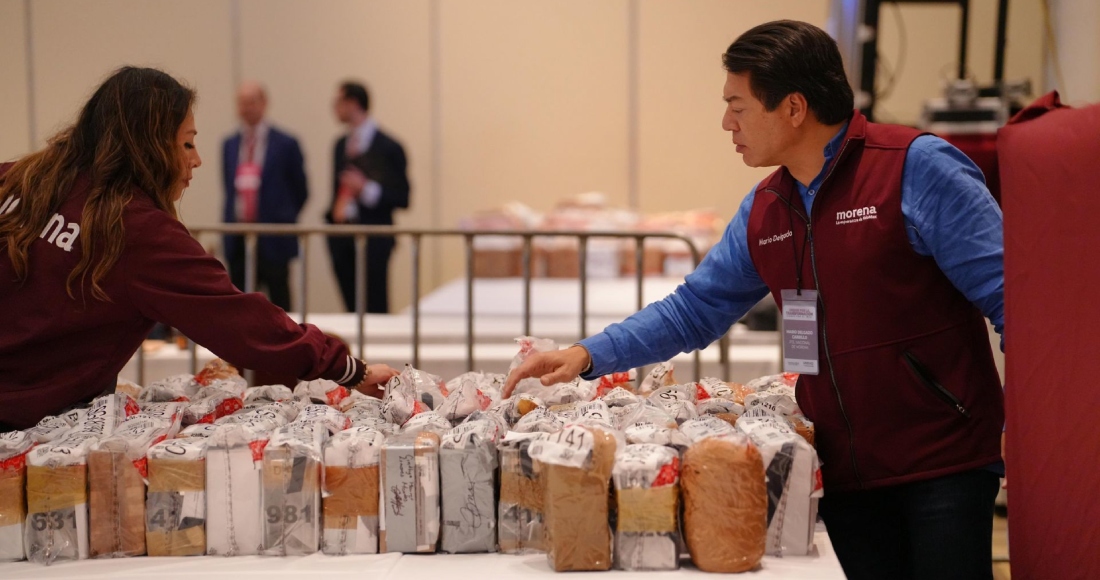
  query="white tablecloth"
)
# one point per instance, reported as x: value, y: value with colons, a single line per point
x: 823, y: 566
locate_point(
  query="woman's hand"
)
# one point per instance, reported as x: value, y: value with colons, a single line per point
x: 377, y: 377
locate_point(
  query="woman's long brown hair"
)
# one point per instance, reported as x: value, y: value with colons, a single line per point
x: 125, y: 142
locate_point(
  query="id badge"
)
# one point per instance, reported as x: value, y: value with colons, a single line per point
x: 800, y: 332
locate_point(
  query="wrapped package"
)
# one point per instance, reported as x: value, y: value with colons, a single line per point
x: 625, y: 380
x: 620, y: 397
x: 328, y: 417
x: 350, y: 500
x: 464, y: 399
x: 793, y: 483
x: 430, y: 389
x: 576, y: 465
x: 292, y: 489
x: 401, y: 401
x: 725, y: 503
x: 175, y: 507
x: 566, y: 412
x: 215, y: 370
x: 467, y: 466
x: 490, y: 384
x: 647, y: 495
x: 321, y: 391
x: 520, y: 528
x: 804, y: 427
x: 518, y: 406
x: 659, y: 376
x: 117, y: 466
x: 200, y: 430
x: 128, y: 388
x: 594, y: 412
x: 267, y: 393
x: 541, y: 420
x: 427, y: 421
x: 234, y: 486
x: 779, y: 400
x: 717, y: 406
x: 680, y: 410
x: 771, y: 381
x: 681, y: 392
x: 74, y: 416
x: 211, y: 403
x: 49, y: 429
x: 410, y: 493
x: 703, y: 427
x: 577, y: 390
x: 368, y: 408
x: 14, y: 447
x: 176, y: 388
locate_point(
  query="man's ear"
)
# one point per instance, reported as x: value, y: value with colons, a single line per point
x: 797, y: 109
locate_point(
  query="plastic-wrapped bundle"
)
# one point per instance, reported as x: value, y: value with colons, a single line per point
x: 725, y: 503
x: 464, y: 399
x: 292, y: 489
x: 199, y: 430
x: 174, y: 389
x: 234, y: 475
x: 410, y: 493
x: 620, y: 397
x: 577, y: 390
x: 128, y: 388
x: 267, y: 393
x: 322, y: 391
x: 211, y: 403
x: 429, y: 389
x: 219, y: 370
x: 467, y: 465
x: 778, y: 400
x: 520, y: 527
x: 350, y: 500
x: 427, y: 421
x: 718, y: 406
x: 541, y: 420
x: 703, y: 427
x: 117, y: 466
x: 175, y: 507
x: 770, y: 381
x: 401, y: 402
x: 49, y: 429
x: 793, y: 482
x: 328, y: 417
x: 490, y: 384
x: 647, y: 493
x: 659, y: 376
x: 14, y: 447
x: 57, y: 481
x: 625, y: 380
x: 576, y: 465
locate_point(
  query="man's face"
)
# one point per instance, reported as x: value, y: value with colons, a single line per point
x: 251, y: 105
x: 343, y: 107
x: 761, y: 136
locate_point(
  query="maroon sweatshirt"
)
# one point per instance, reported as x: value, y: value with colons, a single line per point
x: 57, y: 350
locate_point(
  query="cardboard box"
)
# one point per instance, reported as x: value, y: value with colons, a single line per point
x: 292, y: 489
x: 350, y: 500
x: 175, y: 506
x: 467, y: 466
x: 410, y: 493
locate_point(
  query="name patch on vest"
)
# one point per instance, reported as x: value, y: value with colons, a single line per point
x: 856, y: 215
x: 776, y: 238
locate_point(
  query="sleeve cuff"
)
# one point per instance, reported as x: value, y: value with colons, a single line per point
x: 350, y: 375
x: 600, y: 353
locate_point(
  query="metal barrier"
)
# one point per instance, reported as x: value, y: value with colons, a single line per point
x: 251, y: 233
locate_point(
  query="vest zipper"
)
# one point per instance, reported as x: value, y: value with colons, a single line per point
x: 821, y: 305
x: 927, y: 379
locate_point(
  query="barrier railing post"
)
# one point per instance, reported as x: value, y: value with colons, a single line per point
x: 469, y: 302
x: 415, y: 304
x: 360, y: 292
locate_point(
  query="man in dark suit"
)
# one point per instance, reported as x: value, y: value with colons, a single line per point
x: 369, y: 182
x: 265, y: 182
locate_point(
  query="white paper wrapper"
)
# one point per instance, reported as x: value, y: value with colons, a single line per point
x: 267, y: 394
x: 427, y: 421
x: 410, y: 493
x: 234, y: 488
x: 702, y: 427
x: 646, y: 479
x: 330, y: 418
x: 350, y: 492
x: 468, y: 463
x: 322, y: 391
x: 292, y: 489
x: 659, y: 376
x: 49, y: 429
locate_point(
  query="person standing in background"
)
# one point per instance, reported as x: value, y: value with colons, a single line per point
x: 265, y: 182
x: 370, y: 181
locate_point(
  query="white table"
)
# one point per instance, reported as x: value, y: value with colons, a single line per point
x: 823, y: 566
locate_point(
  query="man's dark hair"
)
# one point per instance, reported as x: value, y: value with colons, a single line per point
x: 787, y: 56
x: 356, y: 92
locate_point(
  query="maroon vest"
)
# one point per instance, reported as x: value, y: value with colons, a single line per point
x: 908, y: 389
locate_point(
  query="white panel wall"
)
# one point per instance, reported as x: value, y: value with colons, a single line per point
x: 15, y: 137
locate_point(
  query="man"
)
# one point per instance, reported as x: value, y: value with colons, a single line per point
x: 369, y: 183
x: 898, y: 237
x: 265, y: 182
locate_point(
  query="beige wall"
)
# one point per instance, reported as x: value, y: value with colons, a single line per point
x: 494, y: 100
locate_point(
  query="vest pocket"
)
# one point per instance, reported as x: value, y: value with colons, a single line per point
x: 926, y: 378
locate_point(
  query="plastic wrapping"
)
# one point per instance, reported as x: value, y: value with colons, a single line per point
x: 625, y: 380
x: 468, y: 464
x: 175, y: 506
x: 401, y: 402
x: 234, y: 470
x: 702, y: 427
x: 292, y: 489
x: 366, y: 410
x: 215, y: 370
x: 659, y: 376
x: 14, y: 447
x: 201, y: 430
x: 267, y: 393
x: 647, y: 494
x: 350, y: 502
x: 465, y: 398
x: 576, y: 465
x: 410, y: 493
x: 328, y: 417
x: 429, y: 389
x: 322, y: 391
x: 520, y: 528
x: 211, y: 403
x: 117, y: 466
x: 725, y: 503
x: 490, y: 384
x: 49, y: 429
x: 778, y: 400
x: 128, y: 388
x: 793, y: 483
x: 577, y: 390
x: 540, y: 420
x: 620, y: 397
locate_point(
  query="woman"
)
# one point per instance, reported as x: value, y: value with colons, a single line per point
x: 92, y: 254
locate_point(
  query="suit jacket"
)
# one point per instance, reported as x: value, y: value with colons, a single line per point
x: 283, y: 192
x: 384, y: 163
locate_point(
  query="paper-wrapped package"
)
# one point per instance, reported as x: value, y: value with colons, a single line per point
x: 216, y: 370
x: 793, y: 482
x: 490, y: 384
x: 659, y: 376
x: 350, y: 501
x: 620, y: 397
x: 175, y: 507
x: 234, y: 486
x: 467, y: 465
x: 322, y: 391
x: 117, y: 466
x: 464, y: 398
x: 14, y: 447
x: 427, y: 421
x: 267, y: 394
x: 292, y: 489
x: 329, y: 417
x: 410, y: 493
x: 577, y: 390
x: 725, y: 503
x: 647, y: 494
x: 401, y: 401
x: 703, y: 427
x: 49, y: 429
x: 624, y: 380
x: 576, y: 465
x: 430, y: 389
x: 520, y: 528
x: 541, y: 420
x: 211, y: 403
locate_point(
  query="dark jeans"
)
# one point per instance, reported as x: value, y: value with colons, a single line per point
x: 936, y: 529
x: 271, y: 277
x: 342, y: 250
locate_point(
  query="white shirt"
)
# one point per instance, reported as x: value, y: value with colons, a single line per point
x: 362, y: 137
